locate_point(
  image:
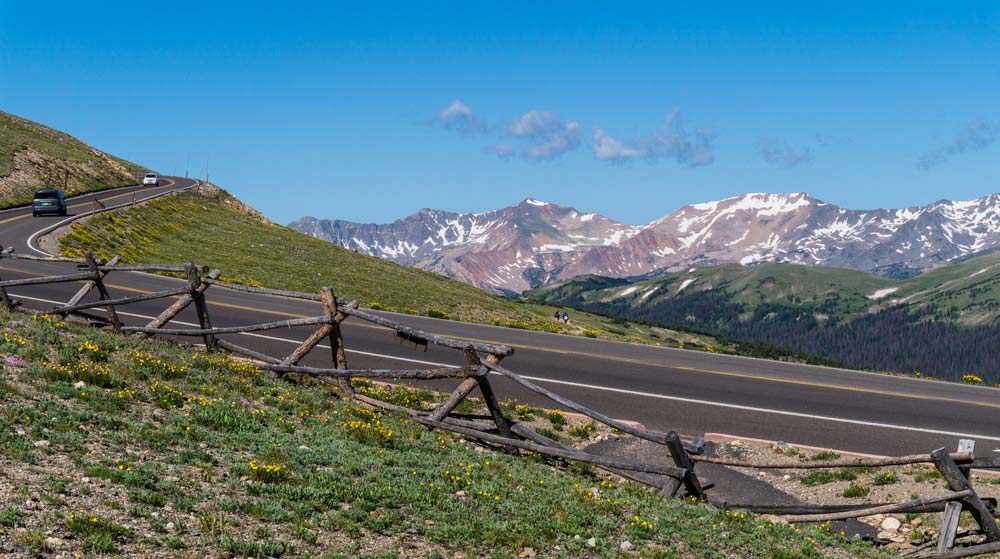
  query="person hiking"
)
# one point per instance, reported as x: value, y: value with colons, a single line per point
x: 556, y: 316
x: 565, y: 318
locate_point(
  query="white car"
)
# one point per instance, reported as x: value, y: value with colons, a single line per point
x: 151, y: 179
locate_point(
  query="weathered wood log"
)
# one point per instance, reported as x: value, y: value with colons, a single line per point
x: 682, y: 460
x: 952, y: 511
x: 985, y: 463
x: 265, y: 290
x: 493, y: 405
x: 98, y: 279
x: 905, y: 506
x: 290, y: 323
x: 5, y: 300
x: 337, y: 350
x: 306, y: 346
x: 465, y: 388
x: 377, y: 374
x: 247, y: 351
x: 840, y: 463
x: 120, y: 301
x: 660, y: 438
x: 166, y: 268
x: 376, y: 403
x: 179, y: 305
x: 87, y: 287
x: 972, y: 550
x: 41, y: 280
x: 957, y: 482
x: 201, y: 308
x: 493, y: 349
x: 574, y: 455
x: 43, y: 258
x: 460, y: 393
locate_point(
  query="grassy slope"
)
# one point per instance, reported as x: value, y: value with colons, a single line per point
x: 202, y: 227
x: 89, y: 169
x: 168, y: 452
x: 956, y: 294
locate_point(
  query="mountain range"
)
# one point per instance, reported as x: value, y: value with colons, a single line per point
x: 537, y: 243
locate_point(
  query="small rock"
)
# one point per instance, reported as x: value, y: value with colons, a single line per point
x: 786, y: 477
x: 592, y: 542
x: 916, y: 522
x: 170, y: 526
x: 890, y: 524
x: 761, y: 475
x: 79, y: 384
x: 42, y: 444
x: 576, y: 536
x: 527, y: 553
x: 460, y: 493
x: 886, y: 536
x: 304, y: 447
x: 429, y: 522
x: 626, y: 546
x: 53, y: 543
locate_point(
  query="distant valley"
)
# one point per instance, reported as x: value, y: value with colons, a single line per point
x: 537, y: 243
x: 944, y: 322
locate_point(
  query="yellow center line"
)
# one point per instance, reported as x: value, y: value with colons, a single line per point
x: 630, y: 360
x: 115, y: 197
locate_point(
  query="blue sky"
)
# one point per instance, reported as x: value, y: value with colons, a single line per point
x: 371, y: 112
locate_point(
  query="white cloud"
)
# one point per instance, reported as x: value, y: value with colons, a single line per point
x: 670, y: 142
x: 544, y: 135
x: 607, y: 148
x: 458, y: 116
x: 974, y: 136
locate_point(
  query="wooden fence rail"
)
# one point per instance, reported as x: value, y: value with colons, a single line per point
x: 482, y: 361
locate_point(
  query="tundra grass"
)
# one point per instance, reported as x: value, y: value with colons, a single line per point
x: 169, y: 452
x: 204, y: 227
x: 54, y: 153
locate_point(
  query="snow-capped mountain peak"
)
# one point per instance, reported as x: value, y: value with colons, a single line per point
x: 536, y: 242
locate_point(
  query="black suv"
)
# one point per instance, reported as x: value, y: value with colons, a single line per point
x: 48, y: 201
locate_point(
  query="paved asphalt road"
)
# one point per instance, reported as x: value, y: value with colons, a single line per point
x: 691, y: 392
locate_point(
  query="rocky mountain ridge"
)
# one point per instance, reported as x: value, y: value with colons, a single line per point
x: 536, y: 243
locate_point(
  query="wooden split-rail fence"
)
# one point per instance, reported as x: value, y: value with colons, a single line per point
x: 483, y: 360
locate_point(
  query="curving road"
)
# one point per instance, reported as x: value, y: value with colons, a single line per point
x: 691, y: 392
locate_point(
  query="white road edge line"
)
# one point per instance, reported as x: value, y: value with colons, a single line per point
x: 609, y: 389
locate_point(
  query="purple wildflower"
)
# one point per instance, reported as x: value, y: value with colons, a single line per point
x: 15, y: 361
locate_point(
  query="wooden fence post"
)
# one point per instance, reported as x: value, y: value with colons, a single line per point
x: 953, y: 509
x: 198, y: 297
x: 465, y: 388
x: 682, y: 460
x: 958, y: 482
x: 98, y: 280
x: 5, y: 300
x: 179, y: 305
x: 337, y: 352
x: 503, y: 424
x: 88, y: 286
